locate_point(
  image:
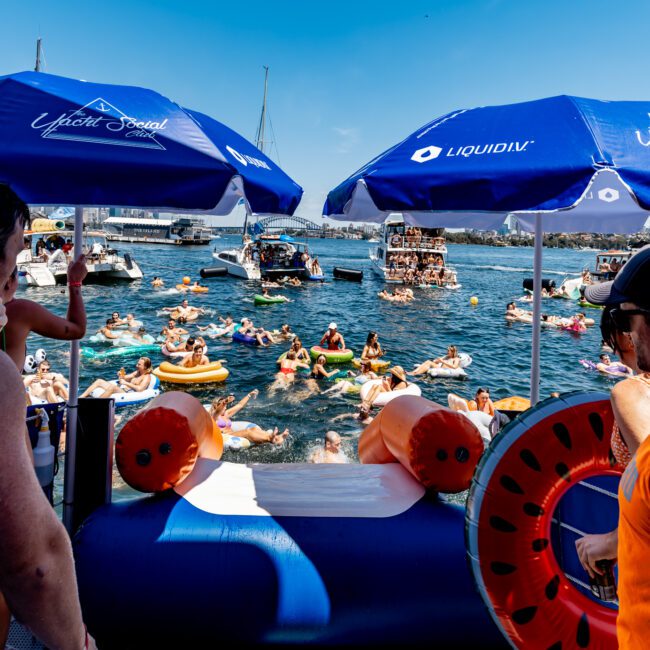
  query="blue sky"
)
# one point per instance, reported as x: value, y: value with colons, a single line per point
x: 347, y: 80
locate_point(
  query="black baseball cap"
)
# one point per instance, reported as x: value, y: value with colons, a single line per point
x: 632, y: 284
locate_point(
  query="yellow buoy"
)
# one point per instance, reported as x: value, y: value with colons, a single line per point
x: 186, y: 280
x: 473, y: 300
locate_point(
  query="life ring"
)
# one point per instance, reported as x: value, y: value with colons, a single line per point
x: 175, y: 315
x: 213, y: 372
x: 331, y: 356
x: 383, y: 398
x: 519, y: 482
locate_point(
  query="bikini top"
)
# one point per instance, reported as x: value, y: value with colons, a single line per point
x: 223, y: 422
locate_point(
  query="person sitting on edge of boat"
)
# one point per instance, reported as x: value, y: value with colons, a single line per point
x: 333, y: 338
x: 26, y: 316
x: 108, y: 330
x: 222, y: 414
x: 196, y: 358
x: 451, y: 360
x: 372, y: 348
x: 319, y: 371
x: 394, y: 380
x: 157, y: 282
x: 331, y: 451
x: 137, y: 381
x: 259, y: 333
x: 37, y: 574
x: 482, y: 402
x: 46, y: 385
x: 315, y: 267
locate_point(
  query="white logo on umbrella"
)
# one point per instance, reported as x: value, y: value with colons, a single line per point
x: 608, y: 194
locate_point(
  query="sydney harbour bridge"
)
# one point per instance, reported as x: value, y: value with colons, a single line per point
x: 279, y: 223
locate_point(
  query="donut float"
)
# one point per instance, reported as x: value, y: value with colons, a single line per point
x: 519, y: 482
x: 332, y: 356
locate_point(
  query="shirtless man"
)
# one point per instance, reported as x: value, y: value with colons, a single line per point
x: 185, y: 310
x: 332, y: 452
x: 333, y: 338
x: 259, y: 333
x: 197, y: 358
x: 46, y: 385
x: 108, y: 330
x: 36, y: 568
x: 27, y: 316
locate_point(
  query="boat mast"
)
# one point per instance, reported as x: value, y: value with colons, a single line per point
x: 37, y: 67
x: 259, y: 136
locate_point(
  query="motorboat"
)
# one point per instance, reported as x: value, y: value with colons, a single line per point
x: 397, y: 241
x: 266, y: 256
x: 46, y: 265
x: 183, y: 231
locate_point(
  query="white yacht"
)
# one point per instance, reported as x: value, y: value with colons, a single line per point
x: 46, y: 269
x: 397, y: 240
x: 266, y: 256
x: 183, y: 231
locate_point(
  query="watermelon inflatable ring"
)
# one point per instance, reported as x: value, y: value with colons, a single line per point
x: 518, y: 483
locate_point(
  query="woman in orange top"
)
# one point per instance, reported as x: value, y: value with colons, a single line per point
x: 482, y: 402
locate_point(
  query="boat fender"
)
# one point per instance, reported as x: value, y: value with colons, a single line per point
x: 438, y: 446
x: 158, y: 447
x: 518, y: 483
x: 213, y: 272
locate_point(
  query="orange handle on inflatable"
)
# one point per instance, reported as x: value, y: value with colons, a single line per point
x: 438, y: 446
x: 158, y: 447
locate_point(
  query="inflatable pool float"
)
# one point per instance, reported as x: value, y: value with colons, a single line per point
x: 193, y: 289
x: 465, y: 361
x: 513, y: 403
x: 248, y: 340
x: 332, y: 356
x: 134, y: 325
x: 179, y: 354
x: 176, y: 314
x: 319, y: 277
x: 619, y: 368
x: 589, y: 305
x: 128, y: 339
x: 532, y: 496
x: 145, y: 349
x: 384, y: 398
x: 231, y: 532
x: 270, y: 300
x: 377, y: 365
x: 132, y: 397
x: 213, y: 372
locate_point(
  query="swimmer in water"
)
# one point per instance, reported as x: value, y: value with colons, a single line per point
x: 372, y: 348
x: 157, y: 282
x: 287, y: 372
x: 331, y: 452
x: 222, y: 413
x: 333, y: 338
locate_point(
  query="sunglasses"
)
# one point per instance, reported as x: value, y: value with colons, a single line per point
x: 621, y: 317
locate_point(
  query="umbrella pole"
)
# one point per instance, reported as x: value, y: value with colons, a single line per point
x: 73, y: 383
x: 537, y: 310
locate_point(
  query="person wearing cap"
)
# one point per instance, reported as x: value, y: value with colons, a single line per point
x: 394, y: 380
x: 627, y: 299
x: 333, y: 338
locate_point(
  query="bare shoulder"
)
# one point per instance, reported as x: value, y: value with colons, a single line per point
x: 11, y: 385
x: 629, y: 391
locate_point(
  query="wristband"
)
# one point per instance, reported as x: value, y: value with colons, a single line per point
x: 74, y: 284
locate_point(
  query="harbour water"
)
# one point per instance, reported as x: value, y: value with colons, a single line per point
x: 409, y: 333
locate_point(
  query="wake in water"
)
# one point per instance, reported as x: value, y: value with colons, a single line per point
x: 515, y: 269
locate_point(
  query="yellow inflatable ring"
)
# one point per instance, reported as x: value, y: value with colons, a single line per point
x: 172, y: 374
x: 375, y: 364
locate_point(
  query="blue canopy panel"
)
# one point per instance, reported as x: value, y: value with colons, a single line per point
x: 536, y: 156
x: 65, y: 141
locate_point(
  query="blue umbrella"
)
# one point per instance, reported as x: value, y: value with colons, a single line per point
x: 558, y: 164
x: 79, y: 143
x: 87, y: 144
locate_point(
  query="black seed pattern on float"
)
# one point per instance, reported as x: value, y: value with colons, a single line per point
x: 524, y: 615
x: 597, y: 425
x: 502, y: 525
x: 502, y: 568
x: 533, y: 510
x: 562, y: 434
x: 540, y: 544
x: 611, y: 458
x: 441, y: 454
x: 555, y: 646
x: 552, y: 588
x: 510, y: 484
x: 530, y: 460
x: 582, y: 635
x: 563, y: 472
